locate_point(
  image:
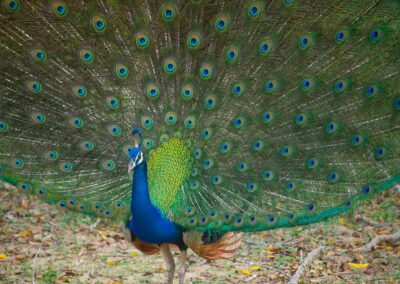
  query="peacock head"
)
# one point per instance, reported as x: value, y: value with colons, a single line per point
x: 136, y: 156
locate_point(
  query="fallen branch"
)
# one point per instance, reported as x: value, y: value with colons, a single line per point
x: 299, y: 272
x: 36, y: 255
x: 372, y: 223
x: 379, y: 239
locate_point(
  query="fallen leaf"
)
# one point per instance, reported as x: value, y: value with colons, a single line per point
x: 134, y: 253
x: 24, y: 204
x: 358, y: 256
x: 25, y: 233
x: 271, y: 249
x: 244, y: 271
x: 358, y: 265
x: 388, y: 247
x: 40, y: 218
x: 342, y: 221
x: 272, y: 276
x: 255, y: 267
x: 110, y: 262
x: 3, y: 256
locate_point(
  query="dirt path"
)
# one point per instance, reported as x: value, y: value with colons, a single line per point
x: 42, y: 244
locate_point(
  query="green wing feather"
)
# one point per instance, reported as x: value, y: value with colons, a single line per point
x: 268, y: 113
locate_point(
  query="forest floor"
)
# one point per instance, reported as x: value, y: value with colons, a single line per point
x: 40, y: 244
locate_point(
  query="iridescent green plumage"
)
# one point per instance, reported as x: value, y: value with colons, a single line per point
x: 255, y: 114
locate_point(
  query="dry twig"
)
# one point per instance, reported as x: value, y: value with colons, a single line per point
x: 299, y: 272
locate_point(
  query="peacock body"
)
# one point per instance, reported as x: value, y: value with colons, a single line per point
x: 253, y: 115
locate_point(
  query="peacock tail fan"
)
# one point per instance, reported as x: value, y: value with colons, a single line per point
x: 255, y: 114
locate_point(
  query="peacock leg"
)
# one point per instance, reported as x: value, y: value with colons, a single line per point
x: 182, y: 266
x: 169, y: 260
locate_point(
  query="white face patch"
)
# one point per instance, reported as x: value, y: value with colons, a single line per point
x: 133, y: 163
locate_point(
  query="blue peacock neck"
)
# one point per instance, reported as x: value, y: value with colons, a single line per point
x: 140, y: 198
x: 147, y: 223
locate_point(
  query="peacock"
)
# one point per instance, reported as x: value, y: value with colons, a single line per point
x: 193, y: 122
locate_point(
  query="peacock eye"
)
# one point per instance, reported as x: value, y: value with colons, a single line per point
x: 255, y: 9
x: 206, y: 71
x: 59, y: 9
x: 99, y: 24
x: 221, y: 23
x: 11, y: 5
x: 265, y: 47
x: 376, y: 35
x: 170, y: 66
x: 86, y: 56
x: 289, y: 3
x: 168, y: 12
x: 121, y: 71
x: 232, y: 54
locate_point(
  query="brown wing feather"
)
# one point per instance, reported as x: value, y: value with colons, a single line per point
x: 145, y: 248
x: 224, y: 248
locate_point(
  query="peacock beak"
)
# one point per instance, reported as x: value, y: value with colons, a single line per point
x: 131, y: 165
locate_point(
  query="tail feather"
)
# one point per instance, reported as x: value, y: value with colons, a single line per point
x: 270, y: 113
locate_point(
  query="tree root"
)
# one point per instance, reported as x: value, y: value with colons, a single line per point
x: 379, y: 239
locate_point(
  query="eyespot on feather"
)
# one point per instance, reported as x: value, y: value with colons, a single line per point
x: 222, y: 23
x: 76, y: 122
x: 206, y: 71
x: 266, y: 46
x: 114, y: 130
x: 66, y: 167
x: 255, y: 10
x: 59, y: 9
x: 170, y: 118
x: 142, y: 40
x: 51, y: 155
x: 170, y: 66
x: 24, y: 187
x: 193, y: 40
x: 86, y: 145
x: 11, y: 6
x: 3, y: 126
x: 232, y: 54
x: 34, y: 86
x: 121, y: 71
x: 38, y: 54
x: 38, y: 117
x: 41, y: 193
x: 152, y: 91
x: 99, y: 24
x: 79, y: 91
x: 112, y: 102
x: 187, y: 92
x: 168, y: 12
x: 17, y: 163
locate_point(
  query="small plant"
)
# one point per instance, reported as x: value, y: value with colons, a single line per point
x: 26, y: 268
x: 49, y: 276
